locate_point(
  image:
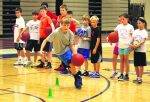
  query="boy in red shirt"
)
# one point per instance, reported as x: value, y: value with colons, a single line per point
x: 46, y: 22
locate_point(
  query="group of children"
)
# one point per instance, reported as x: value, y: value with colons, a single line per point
x: 127, y: 38
x: 64, y: 41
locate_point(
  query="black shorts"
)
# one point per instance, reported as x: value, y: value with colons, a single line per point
x: 96, y: 57
x: 19, y: 46
x: 32, y: 44
x: 140, y: 59
x: 48, y: 46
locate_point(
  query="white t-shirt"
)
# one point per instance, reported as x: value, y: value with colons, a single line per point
x: 124, y: 33
x: 85, y: 43
x: 34, y: 29
x: 20, y: 23
x: 140, y: 35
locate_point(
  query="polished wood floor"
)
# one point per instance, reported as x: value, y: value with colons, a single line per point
x: 19, y: 84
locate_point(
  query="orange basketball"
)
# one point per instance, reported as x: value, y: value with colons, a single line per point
x: 77, y: 60
x: 113, y: 37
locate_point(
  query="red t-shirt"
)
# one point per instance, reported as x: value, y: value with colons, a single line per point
x: 45, y: 23
x: 50, y: 14
x: 72, y: 26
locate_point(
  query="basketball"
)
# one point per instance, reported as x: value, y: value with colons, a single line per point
x: 48, y: 31
x: 25, y: 36
x: 113, y: 37
x: 77, y: 60
x: 80, y: 32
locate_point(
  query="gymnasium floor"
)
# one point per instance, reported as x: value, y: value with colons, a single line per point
x: 19, y: 84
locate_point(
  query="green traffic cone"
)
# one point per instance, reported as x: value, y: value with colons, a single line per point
x: 50, y: 93
x: 57, y: 82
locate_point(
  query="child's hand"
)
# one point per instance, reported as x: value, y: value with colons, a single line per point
x: 94, y: 51
x: 17, y: 40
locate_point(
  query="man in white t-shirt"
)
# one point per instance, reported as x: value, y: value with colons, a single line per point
x: 19, y: 25
x: 33, y: 27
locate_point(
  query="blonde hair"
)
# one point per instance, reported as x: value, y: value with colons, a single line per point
x: 95, y: 18
x: 86, y: 17
x: 65, y: 20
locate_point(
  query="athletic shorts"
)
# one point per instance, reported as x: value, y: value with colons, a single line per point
x: 66, y: 57
x: 19, y: 46
x: 123, y: 51
x: 140, y: 59
x: 84, y: 52
x: 96, y: 57
x: 32, y: 44
x: 48, y: 46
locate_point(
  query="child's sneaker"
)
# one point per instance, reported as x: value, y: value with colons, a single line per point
x: 78, y: 80
x: 64, y: 71
x: 113, y: 75
x: 126, y: 77
x: 121, y: 77
x: 41, y: 65
x: 94, y: 75
x: 140, y: 81
x: 85, y: 73
x: 27, y: 63
x: 18, y: 62
x: 49, y: 65
x: 137, y: 81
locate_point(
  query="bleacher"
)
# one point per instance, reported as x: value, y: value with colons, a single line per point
x: 111, y: 9
x: 29, y: 5
x: 1, y: 27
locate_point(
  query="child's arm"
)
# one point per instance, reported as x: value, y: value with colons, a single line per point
x: 51, y: 24
x: 22, y: 30
x: 73, y: 49
x: 96, y: 46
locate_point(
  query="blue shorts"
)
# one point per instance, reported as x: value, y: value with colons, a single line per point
x: 84, y: 52
x: 66, y: 57
x: 123, y: 51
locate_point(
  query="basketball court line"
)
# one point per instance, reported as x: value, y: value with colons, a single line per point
x: 85, y: 100
x: 6, y: 90
x: 101, y: 92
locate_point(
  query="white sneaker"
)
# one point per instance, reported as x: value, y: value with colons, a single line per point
x: 27, y: 63
x: 18, y: 62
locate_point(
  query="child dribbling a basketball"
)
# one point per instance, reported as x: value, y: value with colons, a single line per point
x: 63, y: 44
x: 95, y: 47
x: 140, y: 35
x: 125, y: 31
x: 84, y: 43
x: 19, y: 44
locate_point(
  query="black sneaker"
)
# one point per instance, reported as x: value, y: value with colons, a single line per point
x: 126, y: 77
x: 78, y: 80
x: 86, y: 73
x: 121, y: 77
x: 49, y: 65
x: 64, y: 71
x: 140, y: 81
x: 113, y: 75
x: 41, y: 65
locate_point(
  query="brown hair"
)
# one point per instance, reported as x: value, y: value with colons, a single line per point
x: 64, y: 7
